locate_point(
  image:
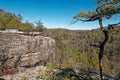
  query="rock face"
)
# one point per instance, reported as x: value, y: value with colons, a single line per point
x: 19, y: 51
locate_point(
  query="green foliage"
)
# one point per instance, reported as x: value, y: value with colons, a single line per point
x: 27, y: 27
x: 83, y: 14
x: 94, y: 59
x: 108, y: 8
x: 105, y: 8
x: 11, y: 21
x: 39, y: 26
x: 47, y: 74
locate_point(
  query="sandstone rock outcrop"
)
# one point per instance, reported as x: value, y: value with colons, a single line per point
x: 20, y: 51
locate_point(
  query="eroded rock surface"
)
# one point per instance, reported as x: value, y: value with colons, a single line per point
x: 20, y: 51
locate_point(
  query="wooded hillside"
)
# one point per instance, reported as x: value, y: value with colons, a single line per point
x: 74, y: 50
x: 12, y: 21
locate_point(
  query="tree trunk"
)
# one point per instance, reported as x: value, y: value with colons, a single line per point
x: 102, y: 51
x: 101, y: 47
x: 100, y: 23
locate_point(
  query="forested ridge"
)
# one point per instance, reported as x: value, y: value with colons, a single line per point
x: 74, y: 50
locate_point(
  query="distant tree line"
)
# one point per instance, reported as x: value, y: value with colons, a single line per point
x: 12, y: 21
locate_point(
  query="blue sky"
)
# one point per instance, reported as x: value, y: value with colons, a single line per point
x: 53, y: 13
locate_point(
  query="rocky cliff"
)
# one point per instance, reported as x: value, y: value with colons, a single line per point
x: 18, y: 52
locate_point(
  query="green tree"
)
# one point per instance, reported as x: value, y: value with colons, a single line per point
x: 27, y: 26
x: 10, y: 21
x: 39, y: 26
x: 105, y: 9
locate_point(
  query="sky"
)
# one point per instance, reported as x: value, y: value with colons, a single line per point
x: 52, y: 13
